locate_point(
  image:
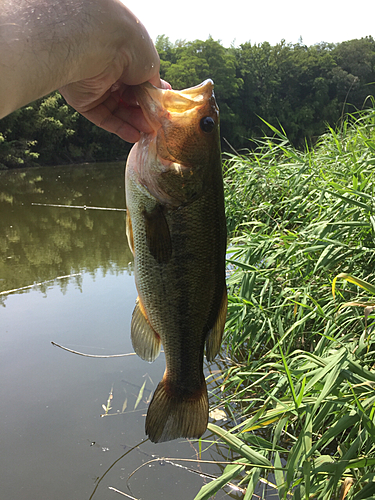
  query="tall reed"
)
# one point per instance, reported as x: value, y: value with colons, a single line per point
x: 301, y: 393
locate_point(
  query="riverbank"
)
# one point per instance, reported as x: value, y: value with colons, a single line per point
x: 301, y: 395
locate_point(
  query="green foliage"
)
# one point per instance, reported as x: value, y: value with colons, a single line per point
x: 49, y: 132
x: 302, y: 88
x: 294, y: 87
x: 187, y: 64
x: 301, y: 387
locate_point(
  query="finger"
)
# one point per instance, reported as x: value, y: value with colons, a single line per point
x: 125, y: 121
x: 165, y: 85
x: 113, y: 124
x: 155, y: 80
x: 135, y: 117
x: 126, y: 112
x: 161, y: 84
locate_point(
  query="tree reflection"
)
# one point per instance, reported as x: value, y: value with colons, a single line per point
x: 39, y: 243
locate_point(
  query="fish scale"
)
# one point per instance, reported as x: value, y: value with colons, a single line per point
x: 176, y: 229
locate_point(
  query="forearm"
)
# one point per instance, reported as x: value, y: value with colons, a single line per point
x: 46, y: 44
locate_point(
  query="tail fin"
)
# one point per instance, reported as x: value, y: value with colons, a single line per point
x: 171, y: 417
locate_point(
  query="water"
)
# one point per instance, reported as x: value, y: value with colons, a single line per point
x: 67, y: 278
x: 54, y: 442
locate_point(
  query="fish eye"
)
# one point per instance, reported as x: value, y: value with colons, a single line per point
x: 207, y: 124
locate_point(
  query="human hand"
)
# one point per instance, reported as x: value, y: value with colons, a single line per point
x: 92, y: 51
x: 125, y: 56
x: 110, y: 104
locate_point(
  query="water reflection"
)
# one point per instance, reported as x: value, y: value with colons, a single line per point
x: 55, y: 444
x: 41, y: 243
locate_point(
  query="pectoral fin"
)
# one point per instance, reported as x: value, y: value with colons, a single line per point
x: 213, y: 340
x: 145, y: 340
x: 157, y: 235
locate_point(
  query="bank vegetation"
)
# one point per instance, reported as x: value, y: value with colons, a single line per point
x: 300, y: 392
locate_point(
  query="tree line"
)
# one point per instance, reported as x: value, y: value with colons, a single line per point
x: 297, y: 87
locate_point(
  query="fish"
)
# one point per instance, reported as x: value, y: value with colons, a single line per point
x: 176, y: 230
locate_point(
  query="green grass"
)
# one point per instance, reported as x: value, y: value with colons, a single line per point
x: 301, y: 391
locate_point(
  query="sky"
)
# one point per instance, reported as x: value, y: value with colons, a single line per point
x: 239, y: 21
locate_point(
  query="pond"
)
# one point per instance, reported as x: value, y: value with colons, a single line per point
x: 66, y: 277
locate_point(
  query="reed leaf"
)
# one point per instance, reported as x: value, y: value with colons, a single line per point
x: 214, y: 486
x: 302, y: 379
x: 240, y: 447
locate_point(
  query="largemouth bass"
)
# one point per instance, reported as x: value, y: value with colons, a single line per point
x: 177, y: 232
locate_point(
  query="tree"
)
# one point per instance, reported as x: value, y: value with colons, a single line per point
x: 188, y: 64
x: 298, y: 87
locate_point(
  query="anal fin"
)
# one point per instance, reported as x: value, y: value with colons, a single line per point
x: 146, y: 342
x: 214, y: 336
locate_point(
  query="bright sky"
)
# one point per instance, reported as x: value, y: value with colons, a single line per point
x: 240, y: 21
